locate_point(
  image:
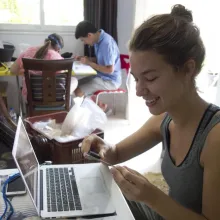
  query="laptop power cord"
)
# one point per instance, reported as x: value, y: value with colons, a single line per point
x: 8, y: 215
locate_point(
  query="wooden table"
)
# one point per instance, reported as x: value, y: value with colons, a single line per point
x: 7, y: 72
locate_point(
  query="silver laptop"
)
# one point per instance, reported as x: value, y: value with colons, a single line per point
x: 62, y: 190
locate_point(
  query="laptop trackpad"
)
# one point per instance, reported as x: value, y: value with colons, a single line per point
x: 95, y: 196
x: 91, y: 185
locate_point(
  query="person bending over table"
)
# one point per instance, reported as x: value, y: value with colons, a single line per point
x: 107, y: 61
x: 50, y: 50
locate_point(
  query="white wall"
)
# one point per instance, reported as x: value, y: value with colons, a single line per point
x: 125, y: 20
x: 217, y: 100
x: 125, y: 23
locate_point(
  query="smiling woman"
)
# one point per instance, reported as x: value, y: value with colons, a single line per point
x: 166, y: 54
x: 158, y: 42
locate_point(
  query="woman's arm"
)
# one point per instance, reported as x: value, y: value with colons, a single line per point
x: 103, y: 69
x: 142, y: 140
x: 136, y: 187
x: 15, y: 68
x: 148, y: 136
x: 170, y: 209
x: 210, y: 159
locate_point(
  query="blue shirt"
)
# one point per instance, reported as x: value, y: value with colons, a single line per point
x: 107, y: 54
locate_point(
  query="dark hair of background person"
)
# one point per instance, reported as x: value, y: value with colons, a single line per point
x: 84, y: 28
x: 53, y: 40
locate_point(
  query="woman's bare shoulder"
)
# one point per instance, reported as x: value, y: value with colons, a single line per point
x: 154, y: 123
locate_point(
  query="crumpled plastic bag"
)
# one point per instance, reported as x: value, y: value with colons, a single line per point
x: 83, y: 118
x: 49, y: 128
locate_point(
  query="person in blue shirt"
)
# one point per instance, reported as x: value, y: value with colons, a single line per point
x: 106, y: 61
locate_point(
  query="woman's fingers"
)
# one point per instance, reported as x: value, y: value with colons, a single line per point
x: 128, y: 175
x: 87, y: 143
x: 124, y: 183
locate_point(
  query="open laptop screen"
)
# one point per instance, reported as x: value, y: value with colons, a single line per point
x: 26, y: 161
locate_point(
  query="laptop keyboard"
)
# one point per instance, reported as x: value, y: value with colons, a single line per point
x: 62, y: 191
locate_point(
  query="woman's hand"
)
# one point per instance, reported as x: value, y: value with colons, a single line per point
x: 106, y: 151
x: 133, y: 185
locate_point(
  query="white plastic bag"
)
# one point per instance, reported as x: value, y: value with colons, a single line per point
x: 98, y: 118
x: 83, y: 118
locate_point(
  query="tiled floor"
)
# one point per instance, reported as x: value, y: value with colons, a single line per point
x: 117, y: 129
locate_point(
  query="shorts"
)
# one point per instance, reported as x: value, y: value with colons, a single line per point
x: 73, y: 84
x: 91, y: 84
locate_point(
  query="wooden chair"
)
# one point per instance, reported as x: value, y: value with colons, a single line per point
x: 3, y: 91
x: 7, y: 134
x: 5, y: 115
x: 48, y: 91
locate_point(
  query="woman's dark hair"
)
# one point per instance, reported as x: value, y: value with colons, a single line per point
x: 172, y: 35
x: 53, y: 40
x: 84, y: 28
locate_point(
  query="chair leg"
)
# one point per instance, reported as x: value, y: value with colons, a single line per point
x: 114, y: 108
x: 97, y: 99
x: 127, y: 113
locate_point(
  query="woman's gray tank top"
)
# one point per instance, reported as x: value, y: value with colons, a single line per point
x: 186, y: 180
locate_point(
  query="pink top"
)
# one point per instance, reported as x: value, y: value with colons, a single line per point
x: 29, y: 53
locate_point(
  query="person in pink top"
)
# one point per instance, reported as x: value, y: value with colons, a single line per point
x: 49, y: 51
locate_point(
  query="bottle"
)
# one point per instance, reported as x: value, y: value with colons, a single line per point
x: 13, y: 115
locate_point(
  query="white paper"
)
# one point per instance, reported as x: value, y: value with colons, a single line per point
x: 81, y: 69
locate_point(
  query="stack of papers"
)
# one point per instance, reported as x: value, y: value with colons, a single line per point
x: 81, y: 69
